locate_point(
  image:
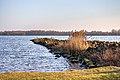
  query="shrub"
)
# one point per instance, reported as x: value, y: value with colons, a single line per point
x: 77, y: 42
x: 109, y: 58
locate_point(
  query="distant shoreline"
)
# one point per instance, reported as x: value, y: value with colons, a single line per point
x: 56, y: 33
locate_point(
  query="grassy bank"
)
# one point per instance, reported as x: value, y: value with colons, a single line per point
x: 102, y: 73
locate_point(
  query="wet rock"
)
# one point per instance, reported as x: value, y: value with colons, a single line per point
x: 73, y: 60
x: 88, y: 63
x: 57, y: 55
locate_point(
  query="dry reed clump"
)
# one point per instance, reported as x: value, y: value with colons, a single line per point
x: 77, y: 42
x: 108, y: 58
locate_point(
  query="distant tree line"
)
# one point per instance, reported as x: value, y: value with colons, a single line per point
x: 113, y: 32
x: 42, y: 32
x: 34, y: 32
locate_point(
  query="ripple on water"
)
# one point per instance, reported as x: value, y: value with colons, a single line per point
x: 18, y: 53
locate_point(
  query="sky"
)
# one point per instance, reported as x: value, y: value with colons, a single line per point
x: 60, y: 15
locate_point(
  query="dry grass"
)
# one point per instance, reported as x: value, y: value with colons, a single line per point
x: 108, y: 58
x: 77, y: 42
x: 102, y: 73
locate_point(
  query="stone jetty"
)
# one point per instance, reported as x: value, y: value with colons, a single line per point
x: 82, y: 57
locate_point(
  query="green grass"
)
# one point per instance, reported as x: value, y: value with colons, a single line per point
x: 102, y: 73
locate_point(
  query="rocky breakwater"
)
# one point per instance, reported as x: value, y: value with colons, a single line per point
x: 101, y: 46
x: 78, y: 50
x: 85, y: 57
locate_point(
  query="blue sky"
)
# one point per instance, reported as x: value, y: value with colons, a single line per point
x: 61, y: 15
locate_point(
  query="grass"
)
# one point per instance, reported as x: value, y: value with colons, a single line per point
x: 76, y: 42
x: 109, y: 57
x: 101, y: 73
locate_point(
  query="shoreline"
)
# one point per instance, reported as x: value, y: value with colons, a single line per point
x: 81, y: 57
x: 57, y: 35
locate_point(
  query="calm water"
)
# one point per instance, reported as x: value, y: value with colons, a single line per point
x: 18, y: 53
x: 105, y: 38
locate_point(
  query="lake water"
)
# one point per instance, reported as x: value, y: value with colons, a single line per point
x: 18, y: 53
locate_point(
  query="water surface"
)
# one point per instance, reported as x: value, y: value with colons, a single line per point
x: 18, y: 53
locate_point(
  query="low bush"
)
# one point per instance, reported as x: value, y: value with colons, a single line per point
x: 76, y: 42
x: 109, y: 58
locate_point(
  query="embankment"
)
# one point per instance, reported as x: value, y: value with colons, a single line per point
x: 98, y: 53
